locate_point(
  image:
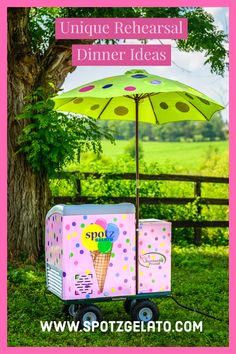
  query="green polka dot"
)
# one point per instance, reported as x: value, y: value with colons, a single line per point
x: 204, y: 101
x: 57, y: 260
x: 153, y: 280
x: 94, y: 107
x: 78, y: 100
x: 189, y: 96
x: 131, y: 269
x: 82, y: 226
x: 112, y: 255
x: 114, y: 219
x: 164, y: 105
x: 61, y: 251
x: 50, y: 254
x: 164, y: 229
x: 71, y: 254
x: 121, y: 110
x: 149, y: 246
x: 54, y: 236
x: 182, y: 107
x: 128, y: 240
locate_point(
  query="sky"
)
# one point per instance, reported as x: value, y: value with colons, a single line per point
x: 187, y: 68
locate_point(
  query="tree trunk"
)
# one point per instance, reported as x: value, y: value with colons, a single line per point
x: 28, y: 193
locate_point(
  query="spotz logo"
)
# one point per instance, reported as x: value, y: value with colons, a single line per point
x: 98, y: 236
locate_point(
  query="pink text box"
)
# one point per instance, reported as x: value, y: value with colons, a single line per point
x: 121, y: 28
x: 122, y: 54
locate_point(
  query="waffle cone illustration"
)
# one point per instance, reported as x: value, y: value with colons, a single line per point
x: 101, y: 263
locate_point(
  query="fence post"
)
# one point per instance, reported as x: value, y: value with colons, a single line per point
x: 197, y: 230
x: 78, y: 187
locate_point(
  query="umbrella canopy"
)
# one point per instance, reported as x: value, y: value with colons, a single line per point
x: 141, y: 97
x: 160, y: 100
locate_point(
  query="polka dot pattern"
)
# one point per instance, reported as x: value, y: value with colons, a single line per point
x: 138, y: 76
x: 87, y: 88
x: 189, y: 96
x: 107, y: 86
x: 203, y: 100
x: 164, y: 105
x: 182, y: 107
x: 130, y: 88
x: 121, y: 110
x: 78, y: 100
x: 76, y: 258
x: 94, y: 107
x: 154, y: 261
x: 156, y: 82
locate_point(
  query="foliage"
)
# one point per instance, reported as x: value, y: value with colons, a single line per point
x: 199, y: 280
x: 213, y: 163
x: 130, y: 149
x: 181, y: 157
x: 52, y: 139
x: 203, y: 34
x: 214, y: 130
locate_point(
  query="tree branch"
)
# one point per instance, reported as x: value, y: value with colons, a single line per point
x: 56, y: 63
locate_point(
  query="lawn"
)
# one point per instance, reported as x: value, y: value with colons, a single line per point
x: 186, y: 156
x: 199, y: 279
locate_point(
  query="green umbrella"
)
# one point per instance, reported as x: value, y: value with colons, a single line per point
x: 141, y: 97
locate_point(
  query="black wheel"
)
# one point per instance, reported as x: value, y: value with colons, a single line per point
x: 88, y: 313
x: 145, y: 311
x: 129, y: 304
x: 65, y: 309
x: 69, y: 310
x: 73, y: 308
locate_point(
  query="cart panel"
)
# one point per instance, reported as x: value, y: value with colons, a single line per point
x: 91, y: 270
x: 54, y: 253
x: 154, y: 256
x: 92, y: 254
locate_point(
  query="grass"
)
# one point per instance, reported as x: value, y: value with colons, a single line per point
x: 199, y: 279
x: 183, y: 155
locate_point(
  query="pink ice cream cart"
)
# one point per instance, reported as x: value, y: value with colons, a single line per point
x: 92, y: 255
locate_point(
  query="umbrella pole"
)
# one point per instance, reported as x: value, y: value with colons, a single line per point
x: 137, y: 191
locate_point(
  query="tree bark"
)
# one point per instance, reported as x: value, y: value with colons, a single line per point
x: 28, y: 193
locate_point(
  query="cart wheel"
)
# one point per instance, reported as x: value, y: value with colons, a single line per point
x: 69, y: 310
x: 73, y: 308
x: 145, y: 311
x: 88, y: 313
x: 129, y: 304
x: 65, y: 309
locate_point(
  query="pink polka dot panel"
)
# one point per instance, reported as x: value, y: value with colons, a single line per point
x: 154, y: 262
x: 94, y: 253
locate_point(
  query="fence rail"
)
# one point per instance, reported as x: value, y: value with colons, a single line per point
x: 197, y: 180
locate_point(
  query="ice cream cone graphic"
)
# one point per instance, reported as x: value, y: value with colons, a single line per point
x: 100, y: 263
x: 98, y: 238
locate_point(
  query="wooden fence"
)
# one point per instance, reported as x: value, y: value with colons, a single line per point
x: 196, y: 180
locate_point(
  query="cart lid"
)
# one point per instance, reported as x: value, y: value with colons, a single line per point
x: 148, y: 221
x: 92, y: 209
